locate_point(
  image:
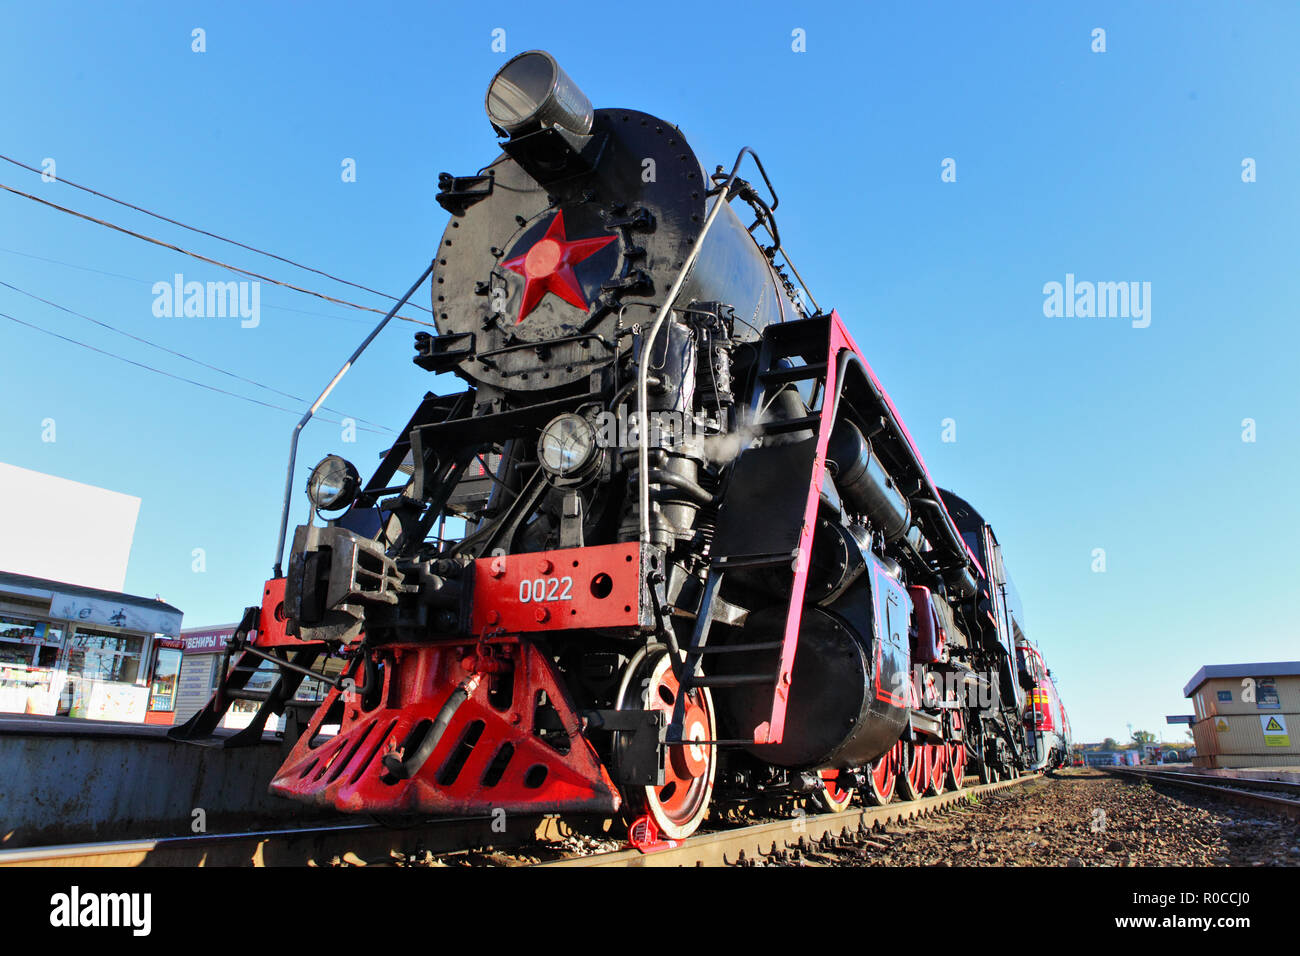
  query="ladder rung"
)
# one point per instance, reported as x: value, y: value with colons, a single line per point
x: 785, y: 342
x: 797, y: 373
x: 731, y: 680
x: 782, y: 425
x: 237, y: 693
x: 739, y: 648
x: 728, y: 562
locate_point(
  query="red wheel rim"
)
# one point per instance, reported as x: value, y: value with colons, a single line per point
x: 679, y: 805
x: 884, y: 774
x: 918, y: 768
x: 835, y: 796
x: 957, y: 759
x: 938, y: 756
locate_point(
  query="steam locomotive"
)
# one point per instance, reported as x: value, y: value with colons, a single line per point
x: 672, y: 545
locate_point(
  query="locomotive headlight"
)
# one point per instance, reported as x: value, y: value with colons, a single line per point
x: 333, y: 484
x: 567, y: 447
x: 531, y: 91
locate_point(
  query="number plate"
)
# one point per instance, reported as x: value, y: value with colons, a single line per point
x: 559, y: 590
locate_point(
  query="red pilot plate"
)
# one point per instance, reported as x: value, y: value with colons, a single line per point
x: 558, y: 590
x: 271, y: 621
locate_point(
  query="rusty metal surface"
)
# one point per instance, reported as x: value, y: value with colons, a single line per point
x: 735, y: 847
x: 1238, y: 790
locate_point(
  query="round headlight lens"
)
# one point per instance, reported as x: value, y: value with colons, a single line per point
x: 567, y: 446
x: 334, y: 484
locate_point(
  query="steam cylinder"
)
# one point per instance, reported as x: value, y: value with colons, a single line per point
x: 863, y: 483
x: 833, y: 719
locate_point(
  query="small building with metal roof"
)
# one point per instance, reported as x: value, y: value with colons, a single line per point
x: 1247, y: 715
x: 86, y: 652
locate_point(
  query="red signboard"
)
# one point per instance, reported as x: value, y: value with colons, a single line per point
x: 207, y: 642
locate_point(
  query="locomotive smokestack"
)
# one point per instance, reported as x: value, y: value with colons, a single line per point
x: 531, y: 92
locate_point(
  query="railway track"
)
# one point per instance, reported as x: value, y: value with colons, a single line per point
x: 780, y: 839
x: 299, y: 846
x: 1276, y: 795
x: 368, y: 844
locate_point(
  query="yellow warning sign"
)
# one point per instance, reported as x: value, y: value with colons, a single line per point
x: 1221, y: 725
x: 1274, y: 727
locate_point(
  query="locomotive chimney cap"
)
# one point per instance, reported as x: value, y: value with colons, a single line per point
x: 532, y: 92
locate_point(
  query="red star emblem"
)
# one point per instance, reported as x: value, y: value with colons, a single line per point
x: 548, y: 266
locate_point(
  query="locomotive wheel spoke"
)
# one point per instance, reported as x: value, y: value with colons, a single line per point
x: 681, y: 803
x: 912, y: 776
x: 833, y: 797
x: 984, y: 767
x: 882, y: 778
x: 956, y: 765
x: 938, y: 757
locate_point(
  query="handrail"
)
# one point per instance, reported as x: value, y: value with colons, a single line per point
x: 297, y: 430
x: 642, y: 399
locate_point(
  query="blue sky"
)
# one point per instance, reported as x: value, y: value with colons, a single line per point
x: 1072, y: 434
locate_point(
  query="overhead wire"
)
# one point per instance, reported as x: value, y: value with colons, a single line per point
x: 205, y: 232
x: 188, y: 358
x: 202, y: 258
x: 150, y: 282
x: 195, y: 255
x: 158, y: 371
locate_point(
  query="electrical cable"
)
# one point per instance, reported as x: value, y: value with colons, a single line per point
x: 204, y: 232
x: 203, y: 258
x: 179, y: 378
x: 188, y: 358
x: 150, y: 282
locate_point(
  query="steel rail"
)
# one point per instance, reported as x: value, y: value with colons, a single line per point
x: 295, y: 846
x: 1235, y: 789
x: 745, y: 844
x: 1244, y: 783
x: 362, y: 843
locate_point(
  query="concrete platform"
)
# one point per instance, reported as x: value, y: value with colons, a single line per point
x: 1283, y: 774
x: 1276, y: 774
x: 65, y: 780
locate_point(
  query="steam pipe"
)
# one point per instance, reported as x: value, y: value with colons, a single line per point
x: 403, y: 766
x: 642, y: 400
